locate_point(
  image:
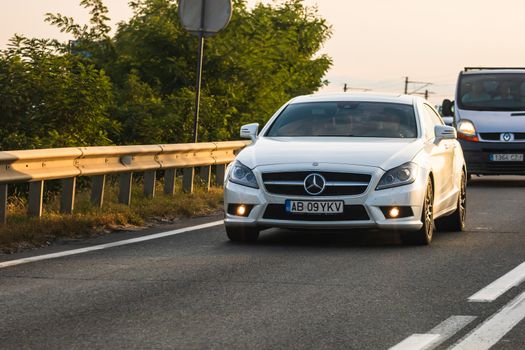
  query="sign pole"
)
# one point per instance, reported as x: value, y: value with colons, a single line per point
x: 198, y: 87
x: 208, y: 20
x: 200, y: 56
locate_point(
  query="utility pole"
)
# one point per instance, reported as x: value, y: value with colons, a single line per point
x: 347, y: 88
x: 422, y: 85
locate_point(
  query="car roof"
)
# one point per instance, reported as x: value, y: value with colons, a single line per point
x: 361, y: 97
x: 493, y: 71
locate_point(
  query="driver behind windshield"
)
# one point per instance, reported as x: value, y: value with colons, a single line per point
x: 505, y: 91
x: 477, y: 93
x: 521, y: 96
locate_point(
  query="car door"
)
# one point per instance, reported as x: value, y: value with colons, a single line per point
x: 442, y: 159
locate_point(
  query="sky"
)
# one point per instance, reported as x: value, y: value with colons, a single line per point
x: 375, y: 43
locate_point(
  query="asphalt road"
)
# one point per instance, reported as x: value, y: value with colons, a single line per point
x: 291, y: 290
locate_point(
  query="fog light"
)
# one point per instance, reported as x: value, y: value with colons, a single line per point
x: 394, y: 212
x: 397, y: 212
x: 241, y: 210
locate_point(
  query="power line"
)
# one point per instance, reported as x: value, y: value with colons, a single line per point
x: 416, y: 91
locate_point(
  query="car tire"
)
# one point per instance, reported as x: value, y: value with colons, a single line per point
x: 455, y: 222
x: 242, y: 234
x: 424, y: 235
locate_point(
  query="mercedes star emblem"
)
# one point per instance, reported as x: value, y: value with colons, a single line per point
x: 314, y: 184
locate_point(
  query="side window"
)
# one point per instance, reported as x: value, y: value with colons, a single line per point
x: 429, y: 123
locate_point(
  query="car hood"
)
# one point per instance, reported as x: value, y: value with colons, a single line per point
x: 372, y: 152
x: 488, y: 121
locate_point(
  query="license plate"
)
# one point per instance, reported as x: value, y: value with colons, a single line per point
x: 314, y: 207
x: 506, y: 157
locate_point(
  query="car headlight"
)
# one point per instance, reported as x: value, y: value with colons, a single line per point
x: 402, y: 175
x: 242, y: 175
x: 466, y: 127
x: 467, y: 131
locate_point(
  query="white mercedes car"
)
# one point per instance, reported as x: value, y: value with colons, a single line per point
x: 348, y: 161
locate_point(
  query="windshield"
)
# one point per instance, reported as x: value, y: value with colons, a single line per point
x: 492, y: 92
x: 345, y: 119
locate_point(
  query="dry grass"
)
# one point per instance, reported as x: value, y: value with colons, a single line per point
x: 22, y: 232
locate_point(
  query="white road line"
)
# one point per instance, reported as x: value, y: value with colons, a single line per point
x: 416, y: 342
x: 436, y: 336
x: 494, y: 290
x: 108, y: 245
x: 494, y: 328
x: 448, y: 328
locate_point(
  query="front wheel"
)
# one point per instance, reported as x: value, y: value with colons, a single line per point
x: 242, y: 234
x: 424, y: 235
x: 455, y: 222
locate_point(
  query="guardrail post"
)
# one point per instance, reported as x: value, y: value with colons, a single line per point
x: 170, y: 176
x: 67, y: 201
x: 124, y: 196
x: 3, y: 203
x: 150, y: 178
x: 36, y: 195
x: 187, y: 180
x: 205, y: 175
x: 219, y: 174
x: 98, y: 184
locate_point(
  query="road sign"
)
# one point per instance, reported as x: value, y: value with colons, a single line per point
x: 206, y: 17
x: 203, y: 18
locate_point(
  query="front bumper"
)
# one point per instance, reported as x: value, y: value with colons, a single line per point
x: 265, y: 206
x: 477, y: 157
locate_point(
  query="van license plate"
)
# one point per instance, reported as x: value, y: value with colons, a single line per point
x: 506, y: 157
x: 314, y: 207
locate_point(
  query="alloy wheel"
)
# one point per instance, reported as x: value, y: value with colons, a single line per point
x: 429, y: 211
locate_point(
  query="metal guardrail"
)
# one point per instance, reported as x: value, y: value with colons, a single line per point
x: 38, y: 166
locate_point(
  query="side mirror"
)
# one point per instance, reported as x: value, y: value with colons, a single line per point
x: 249, y: 131
x: 448, y: 121
x: 445, y: 132
x: 447, y: 108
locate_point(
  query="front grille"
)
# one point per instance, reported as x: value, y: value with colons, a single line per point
x: 490, y: 136
x: 337, y: 184
x: 350, y: 213
x: 496, y: 136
